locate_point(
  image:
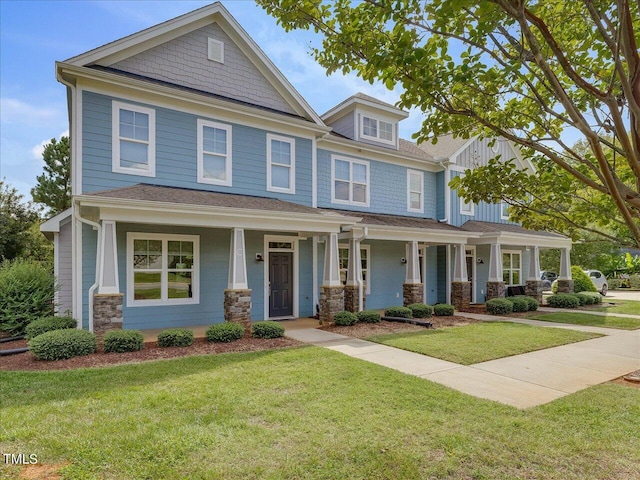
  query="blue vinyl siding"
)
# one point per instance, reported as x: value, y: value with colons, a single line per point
x: 176, y: 154
x: 442, y: 273
x: 388, y: 188
x: 440, y: 193
x: 387, y: 273
x: 305, y: 295
x: 89, y: 239
x: 431, y: 276
x: 484, y: 212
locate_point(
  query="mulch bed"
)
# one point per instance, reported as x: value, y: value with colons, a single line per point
x: 364, y: 330
x: 151, y: 351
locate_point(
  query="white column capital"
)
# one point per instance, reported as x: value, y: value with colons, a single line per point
x: 495, y: 263
x: 331, y: 274
x: 565, y: 264
x: 534, y: 264
x: 237, y: 261
x: 460, y: 273
x: 412, y: 267
x: 108, y: 281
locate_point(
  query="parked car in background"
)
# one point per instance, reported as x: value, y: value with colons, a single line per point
x: 547, y: 278
x: 599, y: 280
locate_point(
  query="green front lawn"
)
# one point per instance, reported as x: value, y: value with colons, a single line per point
x: 480, y: 342
x: 305, y: 413
x: 629, y: 307
x: 581, y: 318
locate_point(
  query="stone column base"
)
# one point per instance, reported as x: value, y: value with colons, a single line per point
x: 237, y: 308
x: 460, y: 295
x: 351, y: 298
x: 534, y: 289
x: 565, y: 286
x: 107, y: 313
x: 496, y: 290
x: 412, y: 293
x: 331, y: 302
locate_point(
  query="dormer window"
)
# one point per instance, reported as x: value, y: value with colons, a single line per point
x: 377, y: 130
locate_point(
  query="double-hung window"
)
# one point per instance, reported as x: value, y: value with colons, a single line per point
x: 466, y: 208
x: 281, y: 165
x: 504, y: 211
x: 162, y: 269
x: 415, y: 191
x: 214, y: 153
x: 378, y: 130
x: 511, y: 267
x: 134, y: 139
x: 350, y: 181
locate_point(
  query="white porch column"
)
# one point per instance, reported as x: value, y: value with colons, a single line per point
x: 460, y: 264
x: 495, y: 263
x: 565, y: 265
x: 108, y: 282
x: 412, y: 266
x: 331, y: 274
x: 354, y: 267
x: 534, y: 264
x: 237, y: 261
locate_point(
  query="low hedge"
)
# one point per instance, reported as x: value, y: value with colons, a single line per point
x: 48, y: 324
x: 499, y: 306
x: 402, y: 312
x: 420, y: 310
x: 345, y: 319
x: 518, y: 304
x: 175, y: 337
x: 532, y: 303
x: 267, y: 329
x: 563, y: 300
x: 369, y: 316
x: 224, y: 332
x: 582, y: 298
x: 118, y: 341
x: 443, y: 310
x: 61, y: 344
x: 593, y: 297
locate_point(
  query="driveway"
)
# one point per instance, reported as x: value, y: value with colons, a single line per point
x: 623, y: 295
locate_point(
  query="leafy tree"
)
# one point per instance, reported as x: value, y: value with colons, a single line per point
x: 54, y: 185
x: 524, y: 70
x: 16, y: 220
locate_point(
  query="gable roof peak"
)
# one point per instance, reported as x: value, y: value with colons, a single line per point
x: 362, y: 99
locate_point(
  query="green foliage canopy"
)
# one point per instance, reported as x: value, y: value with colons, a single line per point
x: 523, y: 70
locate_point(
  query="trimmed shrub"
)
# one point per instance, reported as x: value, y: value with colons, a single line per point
x: 369, y: 316
x: 582, y: 298
x: 499, y: 306
x: 581, y: 281
x: 518, y: 304
x: 443, y: 310
x: 48, y: 324
x: 61, y: 344
x: 402, y: 312
x: 532, y: 303
x: 594, y: 297
x: 119, y: 341
x: 563, y: 300
x: 267, y: 329
x: 420, y: 310
x: 224, y: 332
x: 345, y: 319
x: 26, y: 294
x: 175, y: 337
x: 634, y: 282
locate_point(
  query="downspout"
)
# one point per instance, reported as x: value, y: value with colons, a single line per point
x: 92, y: 288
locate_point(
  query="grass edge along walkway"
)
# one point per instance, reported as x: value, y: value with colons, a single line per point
x: 586, y: 318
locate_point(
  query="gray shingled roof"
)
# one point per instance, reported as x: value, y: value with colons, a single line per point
x: 185, y: 196
x: 486, y: 227
x: 413, y: 149
x: 368, y: 98
x: 446, y: 146
x: 396, y: 220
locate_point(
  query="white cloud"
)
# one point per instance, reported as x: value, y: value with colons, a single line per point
x: 13, y: 110
x: 38, y: 150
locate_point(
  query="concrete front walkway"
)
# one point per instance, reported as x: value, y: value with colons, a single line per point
x: 521, y: 381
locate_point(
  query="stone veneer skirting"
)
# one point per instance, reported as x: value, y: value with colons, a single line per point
x: 107, y: 313
x: 352, y: 299
x: 331, y: 302
x: 534, y: 288
x: 237, y: 308
x: 496, y: 290
x: 412, y: 293
x: 460, y: 295
x: 565, y: 286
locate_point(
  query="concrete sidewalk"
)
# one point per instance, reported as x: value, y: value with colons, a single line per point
x: 521, y: 381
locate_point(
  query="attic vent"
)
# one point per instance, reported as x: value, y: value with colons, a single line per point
x: 216, y: 50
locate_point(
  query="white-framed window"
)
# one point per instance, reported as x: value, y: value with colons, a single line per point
x: 349, y: 181
x: 214, y: 153
x: 281, y: 164
x: 378, y: 130
x: 162, y: 269
x: 512, y: 267
x: 504, y: 211
x: 415, y: 191
x: 343, y: 260
x: 134, y: 139
x: 466, y: 208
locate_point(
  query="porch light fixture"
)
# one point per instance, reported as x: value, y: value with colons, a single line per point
x: 480, y: 261
x: 259, y: 257
x: 403, y: 260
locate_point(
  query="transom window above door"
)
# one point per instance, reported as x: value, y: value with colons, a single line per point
x: 133, y: 139
x: 214, y: 153
x: 350, y: 181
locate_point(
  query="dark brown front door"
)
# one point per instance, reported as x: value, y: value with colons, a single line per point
x: 470, y: 276
x: 281, y: 284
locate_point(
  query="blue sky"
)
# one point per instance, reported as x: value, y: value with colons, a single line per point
x: 34, y: 34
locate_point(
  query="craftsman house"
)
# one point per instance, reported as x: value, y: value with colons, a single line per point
x: 206, y: 188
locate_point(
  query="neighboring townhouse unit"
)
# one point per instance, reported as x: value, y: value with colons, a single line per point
x: 206, y: 188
